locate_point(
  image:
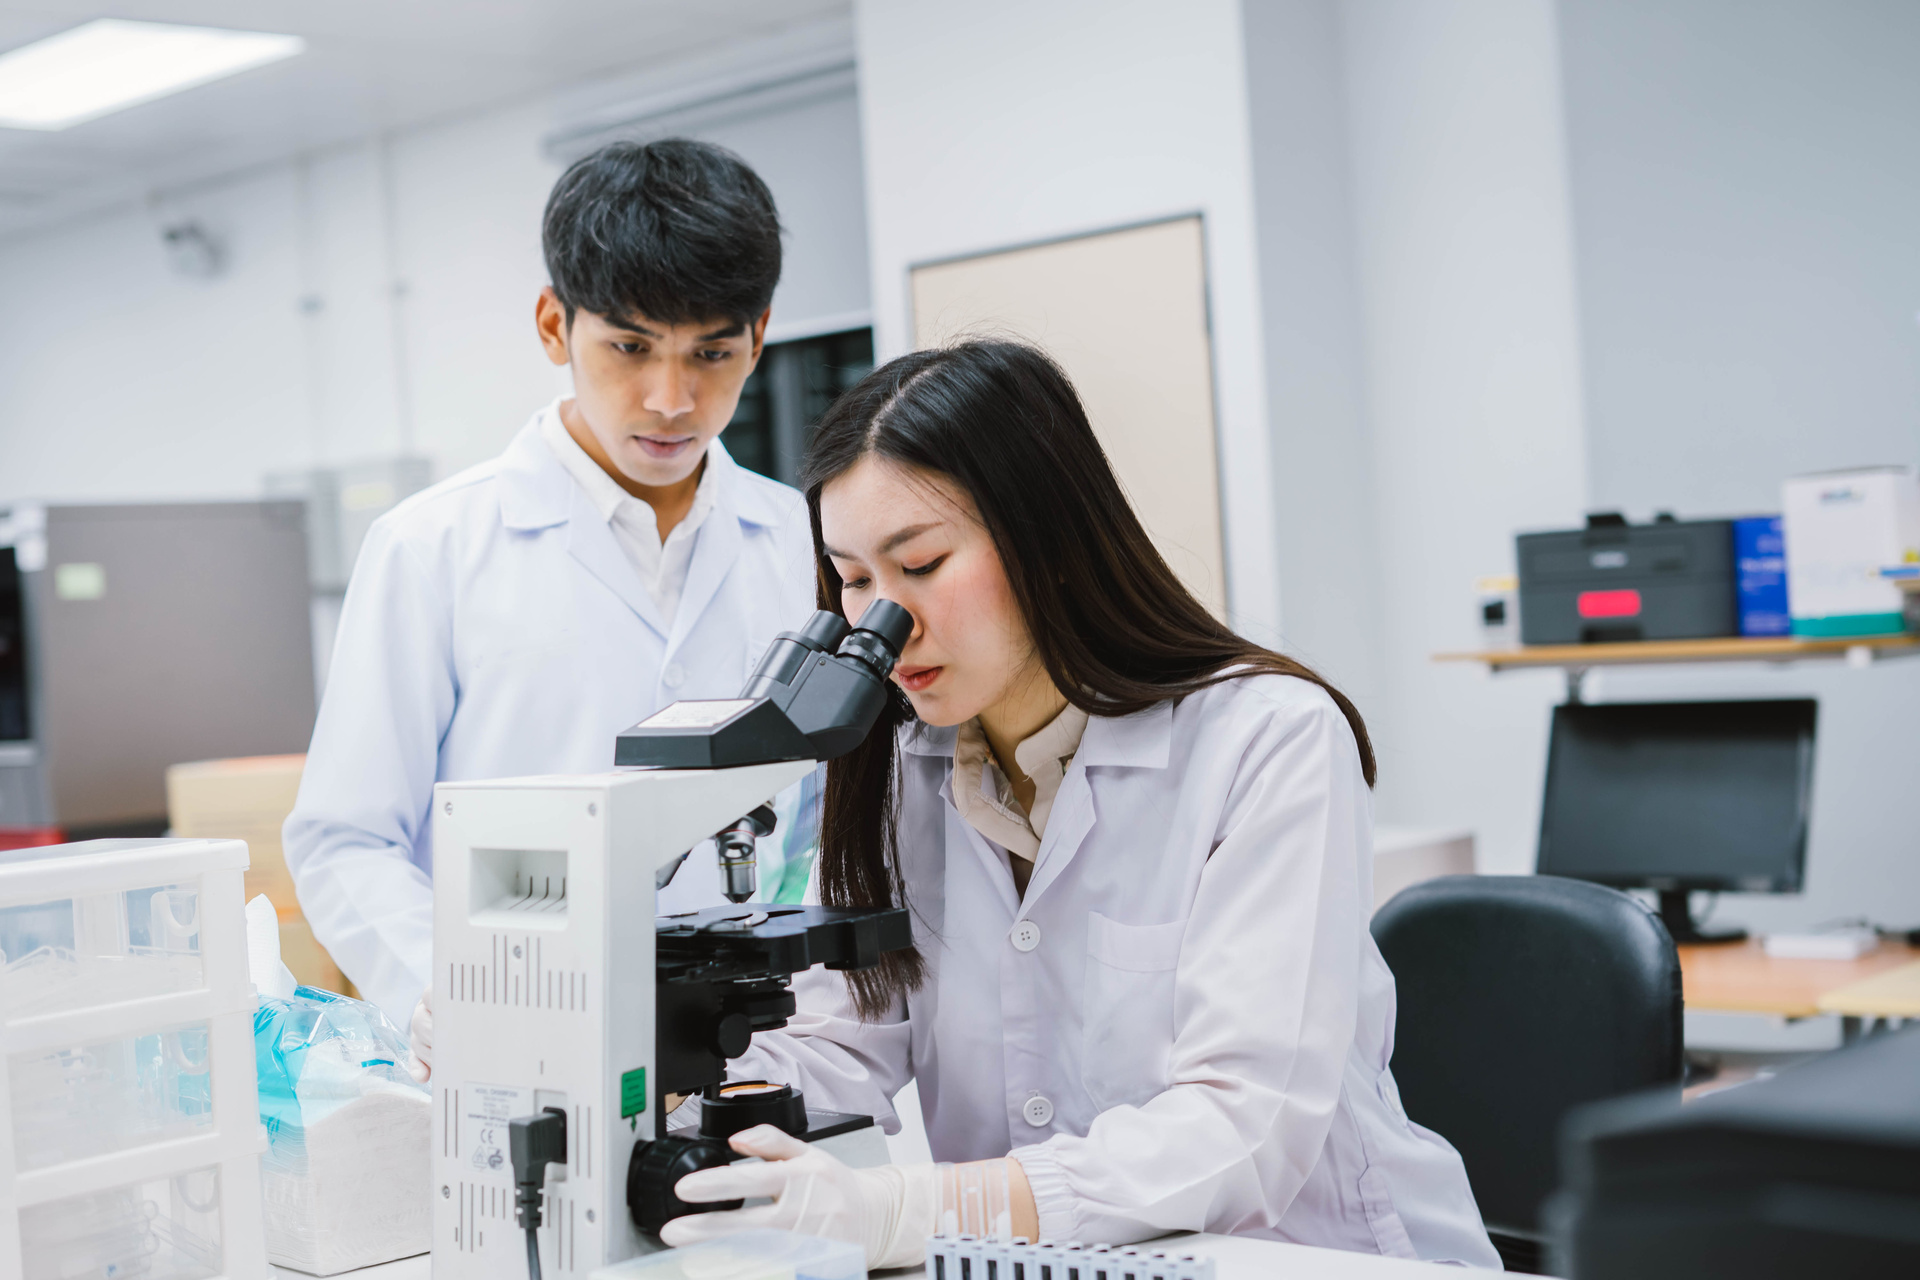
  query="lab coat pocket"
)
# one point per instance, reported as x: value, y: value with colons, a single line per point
x: 1128, y: 1004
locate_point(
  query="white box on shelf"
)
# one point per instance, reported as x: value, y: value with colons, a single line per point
x: 1842, y: 528
x: 130, y: 1133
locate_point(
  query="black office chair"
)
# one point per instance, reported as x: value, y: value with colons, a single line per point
x: 1521, y: 997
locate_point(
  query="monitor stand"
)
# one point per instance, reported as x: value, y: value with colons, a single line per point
x: 1677, y: 915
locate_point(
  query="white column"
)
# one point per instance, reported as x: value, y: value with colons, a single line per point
x: 1473, y: 381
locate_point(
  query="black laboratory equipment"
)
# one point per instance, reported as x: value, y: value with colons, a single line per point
x: 1813, y: 1172
x: 723, y: 973
x: 813, y: 697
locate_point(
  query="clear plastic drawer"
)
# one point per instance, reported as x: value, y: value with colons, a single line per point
x: 86, y: 1100
x: 84, y: 951
x: 166, y: 1228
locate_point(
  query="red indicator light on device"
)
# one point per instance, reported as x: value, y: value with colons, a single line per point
x: 1609, y: 604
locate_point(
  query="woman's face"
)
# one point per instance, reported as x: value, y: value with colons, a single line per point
x: 915, y: 538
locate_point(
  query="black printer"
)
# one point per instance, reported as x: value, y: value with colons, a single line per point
x: 1614, y: 581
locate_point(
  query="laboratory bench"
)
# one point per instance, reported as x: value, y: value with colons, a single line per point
x: 1235, y: 1257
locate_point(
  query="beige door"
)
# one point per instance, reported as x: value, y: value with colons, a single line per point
x: 1125, y: 313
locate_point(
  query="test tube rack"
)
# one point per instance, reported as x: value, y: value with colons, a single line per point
x: 968, y: 1257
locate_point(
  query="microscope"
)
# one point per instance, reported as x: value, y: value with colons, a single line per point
x: 565, y: 1013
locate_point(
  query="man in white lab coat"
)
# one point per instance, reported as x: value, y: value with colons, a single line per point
x: 514, y: 618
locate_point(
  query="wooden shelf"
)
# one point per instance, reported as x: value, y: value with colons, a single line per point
x: 1726, y: 649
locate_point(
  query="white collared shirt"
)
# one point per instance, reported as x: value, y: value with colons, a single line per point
x: 984, y: 797
x: 636, y: 527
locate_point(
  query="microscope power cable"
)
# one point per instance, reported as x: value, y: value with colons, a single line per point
x: 534, y: 1143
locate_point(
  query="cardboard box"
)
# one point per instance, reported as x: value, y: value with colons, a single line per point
x: 245, y: 799
x: 249, y: 799
x: 1842, y: 528
x: 309, y: 962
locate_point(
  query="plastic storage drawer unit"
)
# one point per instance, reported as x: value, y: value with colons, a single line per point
x: 130, y: 1135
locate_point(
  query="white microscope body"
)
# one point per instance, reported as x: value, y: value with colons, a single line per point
x: 543, y: 995
x: 552, y: 991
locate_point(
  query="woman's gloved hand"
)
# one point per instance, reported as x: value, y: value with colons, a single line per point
x: 420, y: 1029
x: 888, y: 1211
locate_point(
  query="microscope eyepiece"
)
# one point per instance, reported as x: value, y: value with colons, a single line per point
x: 889, y: 621
x: 879, y: 636
x: 824, y: 631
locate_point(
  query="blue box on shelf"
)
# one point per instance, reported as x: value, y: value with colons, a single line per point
x: 1760, y: 567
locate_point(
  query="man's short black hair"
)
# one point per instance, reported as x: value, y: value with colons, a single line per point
x: 678, y: 231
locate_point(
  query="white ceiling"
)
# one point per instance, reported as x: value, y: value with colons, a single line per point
x: 371, y: 66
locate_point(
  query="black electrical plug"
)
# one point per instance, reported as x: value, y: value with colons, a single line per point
x: 534, y: 1143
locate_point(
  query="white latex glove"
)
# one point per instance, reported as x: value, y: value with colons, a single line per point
x: 888, y: 1211
x: 420, y: 1030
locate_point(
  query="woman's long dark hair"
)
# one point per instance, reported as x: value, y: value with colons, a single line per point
x: 1113, y: 626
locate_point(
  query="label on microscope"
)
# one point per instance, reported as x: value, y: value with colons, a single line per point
x: 696, y: 714
x: 485, y: 1110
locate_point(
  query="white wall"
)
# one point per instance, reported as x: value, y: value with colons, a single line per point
x: 1745, y: 183
x: 118, y: 378
x: 1472, y: 382
x: 1324, y: 512
x: 121, y: 379
x: 810, y: 155
x: 1001, y: 122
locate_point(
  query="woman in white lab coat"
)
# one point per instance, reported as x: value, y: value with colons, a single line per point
x: 1137, y: 851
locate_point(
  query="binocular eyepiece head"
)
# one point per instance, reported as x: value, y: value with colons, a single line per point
x: 879, y: 636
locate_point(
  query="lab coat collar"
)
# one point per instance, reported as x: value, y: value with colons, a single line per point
x: 535, y: 490
x: 1143, y: 740
x: 738, y: 498
x: 590, y: 540
x: 714, y: 550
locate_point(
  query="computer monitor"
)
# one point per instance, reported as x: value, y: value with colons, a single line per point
x: 1677, y: 796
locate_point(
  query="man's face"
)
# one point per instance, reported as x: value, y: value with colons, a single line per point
x: 654, y: 395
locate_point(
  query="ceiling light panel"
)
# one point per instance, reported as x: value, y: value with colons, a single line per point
x: 109, y: 64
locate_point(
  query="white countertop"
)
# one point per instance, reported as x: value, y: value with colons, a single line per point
x: 1243, y: 1258
x: 1238, y: 1258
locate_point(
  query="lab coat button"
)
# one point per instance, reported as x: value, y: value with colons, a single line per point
x: 1025, y: 937
x: 1038, y: 1111
x: 674, y: 676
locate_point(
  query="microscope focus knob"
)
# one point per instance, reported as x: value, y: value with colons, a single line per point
x: 655, y: 1169
x: 732, y: 1033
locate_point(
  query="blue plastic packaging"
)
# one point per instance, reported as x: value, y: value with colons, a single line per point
x: 317, y: 1052
x: 344, y: 1178
x: 1760, y: 565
